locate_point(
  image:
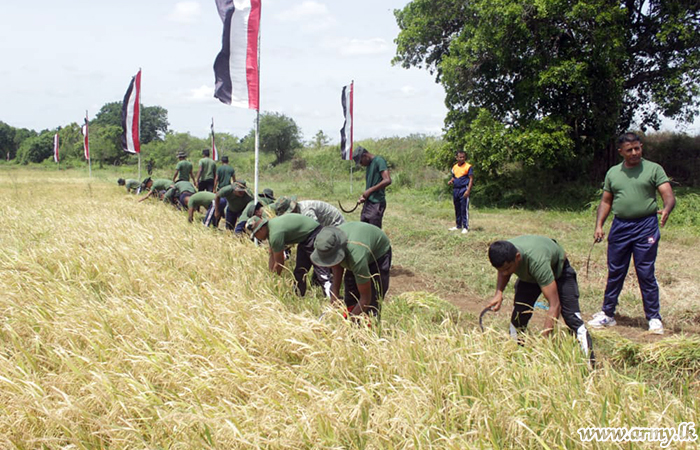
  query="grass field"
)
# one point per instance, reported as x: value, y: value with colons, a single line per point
x: 123, y: 326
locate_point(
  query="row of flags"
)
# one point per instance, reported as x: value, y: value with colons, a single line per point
x: 237, y: 80
x: 86, y: 142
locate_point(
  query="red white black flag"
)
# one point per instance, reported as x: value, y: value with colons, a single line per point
x: 55, y: 148
x: 131, y: 116
x: 86, y: 139
x: 346, y: 132
x: 236, y: 66
x: 214, y: 152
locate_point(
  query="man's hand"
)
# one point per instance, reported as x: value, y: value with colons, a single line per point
x: 599, y: 234
x: 466, y: 194
x: 664, y: 216
x: 496, y: 302
x: 451, y: 182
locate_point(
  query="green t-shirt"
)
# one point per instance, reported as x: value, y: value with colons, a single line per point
x: 374, y: 177
x: 200, y: 199
x: 161, y: 184
x: 366, y: 244
x: 542, y: 259
x: 184, y: 186
x: 289, y: 229
x: 132, y: 184
x: 634, y: 188
x: 184, y: 170
x: 207, y: 168
x: 235, y: 203
x: 249, y: 207
x: 224, y: 174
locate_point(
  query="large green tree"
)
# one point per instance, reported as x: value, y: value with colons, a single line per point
x: 547, y: 83
x: 279, y: 134
x: 154, y: 120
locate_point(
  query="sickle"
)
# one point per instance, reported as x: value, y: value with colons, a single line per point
x: 348, y: 211
x: 481, y: 316
x: 588, y: 260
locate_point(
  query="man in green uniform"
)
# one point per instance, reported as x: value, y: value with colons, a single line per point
x: 156, y: 187
x: 199, y: 200
x: 206, y: 173
x: 288, y: 230
x: 359, y: 254
x: 542, y: 268
x: 237, y: 197
x: 179, y: 193
x: 132, y: 186
x: 377, y: 178
x: 183, y: 170
x: 225, y: 175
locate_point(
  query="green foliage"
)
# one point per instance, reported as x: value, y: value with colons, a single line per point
x: 679, y: 154
x: 320, y: 140
x: 154, y: 120
x: 36, y: 148
x: 164, y: 153
x: 279, y: 134
x: 548, y: 83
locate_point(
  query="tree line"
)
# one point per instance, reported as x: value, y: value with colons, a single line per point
x: 279, y: 135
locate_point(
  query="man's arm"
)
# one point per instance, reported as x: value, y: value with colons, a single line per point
x: 199, y: 173
x: 669, y: 202
x: 365, y: 298
x: 175, y: 175
x: 216, y: 181
x: 469, y: 188
x: 386, y: 181
x: 217, y: 209
x: 276, y: 261
x: 501, y: 283
x: 147, y: 195
x: 552, y: 295
x: 190, y: 214
x: 603, y: 212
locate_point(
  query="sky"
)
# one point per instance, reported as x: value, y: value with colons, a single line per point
x: 60, y: 59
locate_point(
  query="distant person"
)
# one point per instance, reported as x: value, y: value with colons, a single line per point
x: 179, y: 193
x: 237, y: 196
x: 288, y: 230
x: 150, y: 165
x: 225, y: 174
x: 377, y: 178
x: 183, y: 170
x: 132, y: 186
x: 542, y: 268
x: 630, y: 192
x: 322, y: 212
x: 201, y: 199
x: 359, y: 254
x: 206, y: 173
x: 462, y: 181
x: 155, y: 187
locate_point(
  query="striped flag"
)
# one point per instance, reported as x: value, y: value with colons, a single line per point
x: 86, y: 140
x: 236, y: 66
x: 131, y: 116
x: 214, y: 152
x: 346, y: 131
x: 55, y: 148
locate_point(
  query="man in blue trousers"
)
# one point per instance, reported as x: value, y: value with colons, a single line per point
x: 462, y: 181
x: 630, y: 192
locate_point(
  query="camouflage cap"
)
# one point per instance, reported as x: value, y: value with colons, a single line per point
x: 285, y: 204
x: 254, y: 224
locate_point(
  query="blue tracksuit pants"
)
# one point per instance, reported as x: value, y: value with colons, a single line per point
x: 638, y: 237
x: 461, y: 207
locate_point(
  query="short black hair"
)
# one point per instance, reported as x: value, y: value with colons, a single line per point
x: 461, y: 151
x: 121, y: 182
x: 628, y: 137
x: 501, y: 252
x: 224, y: 159
x: 205, y: 152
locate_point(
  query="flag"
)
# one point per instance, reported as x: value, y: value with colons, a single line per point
x: 86, y: 140
x: 346, y: 131
x: 237, y: 79
x: 55, y: 147
x: 214, y: 152
x: 131, y: 116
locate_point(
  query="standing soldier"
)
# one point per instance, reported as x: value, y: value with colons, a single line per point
x: 630, y: 192
x: 206, y: 173
x: 183, y: 170
x: 377, y: 178
x: 225, y: 175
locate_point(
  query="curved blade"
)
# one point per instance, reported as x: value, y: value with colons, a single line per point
x: 481, y: 316
x: 348, y: 210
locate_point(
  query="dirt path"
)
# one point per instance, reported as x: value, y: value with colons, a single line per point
x: 405, y: 280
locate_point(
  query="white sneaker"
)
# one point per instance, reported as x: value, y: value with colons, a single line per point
x: 656, y: 327
x: 453, y: 229
x: 601, y: 320
x: 465, y: 231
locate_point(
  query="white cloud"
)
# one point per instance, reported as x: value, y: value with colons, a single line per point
x: 364, y: 47
x: 312, y: 15
x: 185, y: 12
x: 200, y: 94
x: 409, y: 91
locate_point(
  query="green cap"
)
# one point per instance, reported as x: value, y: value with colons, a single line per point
x: 329, y: 247
x: 254, y: 224
x: 285, y: 204
x: 239, y: 186
x: 269, y: 193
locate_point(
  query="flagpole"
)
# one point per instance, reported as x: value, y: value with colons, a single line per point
x: 87, y: 131
x: 139, y: 108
